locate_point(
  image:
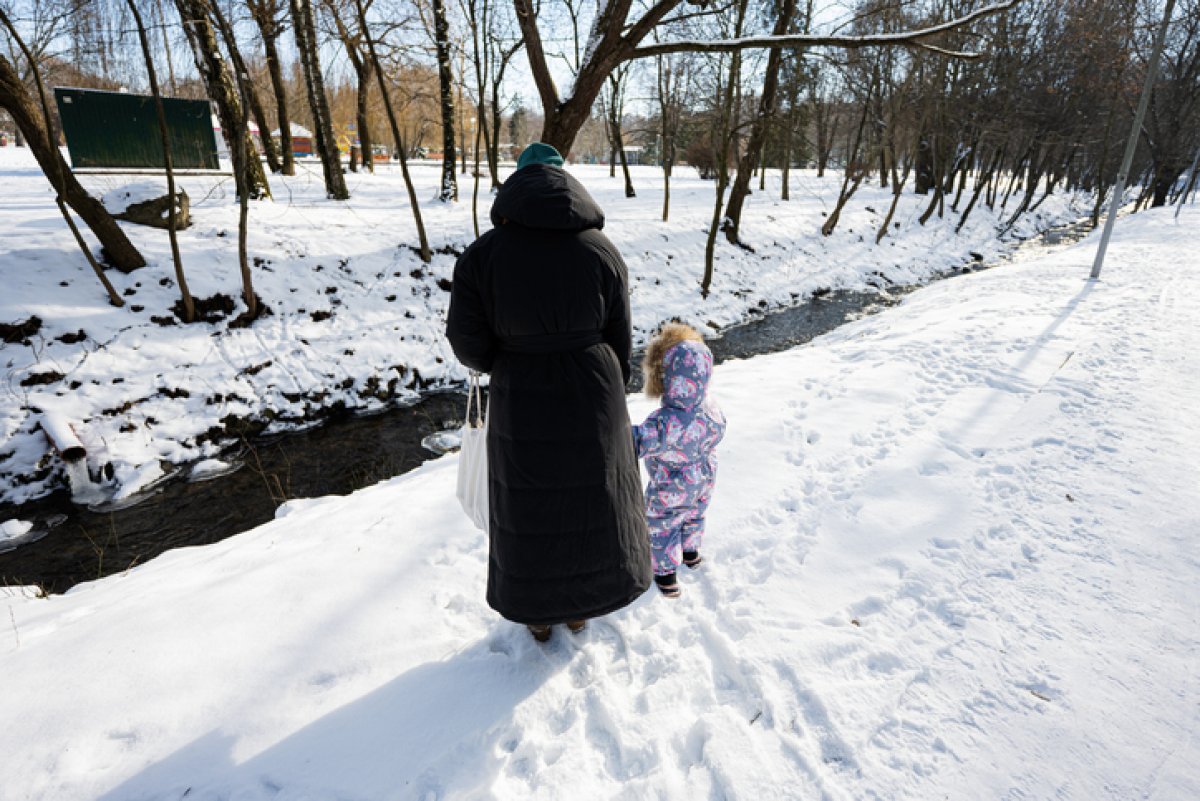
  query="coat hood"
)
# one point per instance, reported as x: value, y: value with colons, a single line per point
x: 546, y: 197
x: 687, y: 368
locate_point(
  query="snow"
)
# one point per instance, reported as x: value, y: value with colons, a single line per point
x: 211, y: 468
x: 119, y: 199
x: 13, y: 529
x: 296, y: 130
x: 16, y: 532
x: 357, y: 320
x: 951, y: 554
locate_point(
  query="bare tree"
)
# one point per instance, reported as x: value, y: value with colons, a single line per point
x: 354, y: 42
x: 16, y: 101
x: 246, y: 91
x: 1173, y: 116
x: 438, y: 28
x: 189, y: 308
x: 305, y: 29
x: 758, y: 129
x: 38, y: 132
x: 503, y: 44
x: 613, y: 105
x: 672, y: 77
x: 722, y: 139
x: 616, y: 38
x: 478, y: 14
x: 268, y: 16
x: 197, y: 23
x: 425, y: 252
x: 448, y: 189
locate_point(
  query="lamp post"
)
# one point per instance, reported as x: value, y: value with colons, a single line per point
x: 1131, y: 145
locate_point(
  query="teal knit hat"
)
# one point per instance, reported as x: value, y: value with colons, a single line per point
x: 539, y: 153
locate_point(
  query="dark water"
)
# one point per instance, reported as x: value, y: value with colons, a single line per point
x: 340, y: 456
x: 343, y: 455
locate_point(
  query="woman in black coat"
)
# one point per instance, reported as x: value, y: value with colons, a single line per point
x: 542, y: 303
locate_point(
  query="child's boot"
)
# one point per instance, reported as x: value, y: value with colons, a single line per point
x: 692, y: 559
x: 668, y: 585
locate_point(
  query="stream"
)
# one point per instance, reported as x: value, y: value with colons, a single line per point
x: 72, y: 543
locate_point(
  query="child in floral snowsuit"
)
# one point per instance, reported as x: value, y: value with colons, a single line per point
x: 678, y: 442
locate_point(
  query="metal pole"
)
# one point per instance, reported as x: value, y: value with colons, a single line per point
x: 1131, y: 146
x: 1189, y: 186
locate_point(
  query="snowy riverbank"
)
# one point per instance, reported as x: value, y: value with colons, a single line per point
x: 952, y: 554
x: 356, y: 318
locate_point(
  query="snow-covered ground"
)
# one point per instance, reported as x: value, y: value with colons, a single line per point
x: 357, y: 320
x: 952, y: 554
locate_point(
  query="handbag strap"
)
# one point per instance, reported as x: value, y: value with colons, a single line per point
x: 474, y: 398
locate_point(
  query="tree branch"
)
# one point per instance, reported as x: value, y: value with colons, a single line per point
x: 653, y: 16
x: 909, y: 38
x: 537, y: 55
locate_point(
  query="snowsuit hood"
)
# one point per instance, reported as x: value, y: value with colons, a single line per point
x: 687, y: 369
x: 546, y: 197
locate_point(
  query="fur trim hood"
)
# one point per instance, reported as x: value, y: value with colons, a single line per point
x: 677, y: 366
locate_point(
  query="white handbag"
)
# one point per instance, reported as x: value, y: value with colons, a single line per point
x: 472, y: 459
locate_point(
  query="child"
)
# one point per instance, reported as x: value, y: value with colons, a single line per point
x: 677, y: 441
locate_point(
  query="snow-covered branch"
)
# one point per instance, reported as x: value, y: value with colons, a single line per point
x: 904, y: 38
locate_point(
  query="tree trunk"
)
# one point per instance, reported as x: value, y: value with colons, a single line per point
x: 480, y: 127
x: 785, y: 192
x: 964, y: 167
x: 1164, y: 178
x: 925, y: 167
x: 248, y: 92
x: 826, y: 135
x: 14, y: 99
x: 624, y: 164
x: 668, y: 103
x: 363, y: 67
x: 560, y: 128
x: 463, y: 155
x: 366, y: 145
x: 485, y: 130
x: 424, y: 250
x: 939, y: 192
x: 721, y: 141
x: 268, y: 27
x: 853, y: 176
x: 983, y: 182
x: 666, y: 206
x: 209, y: 63
x: 189, y: 308
x: 314, y: 82
x: 494, y: 157
x: 441, y: 35
x: 612, y: 145
x: 166, y: 43
x: 897, y: 190
x: 614, y: 126
x: 758, y: 130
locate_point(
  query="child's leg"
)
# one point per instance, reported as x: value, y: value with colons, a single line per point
x: 666, y: 551
x: 691, y: 535
x: 692, y: 527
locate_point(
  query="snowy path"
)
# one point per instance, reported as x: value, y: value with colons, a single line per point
x: 952, y: 554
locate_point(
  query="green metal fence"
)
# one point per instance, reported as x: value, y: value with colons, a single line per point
x: 115, y: 130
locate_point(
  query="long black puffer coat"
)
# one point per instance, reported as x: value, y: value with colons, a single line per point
x: 542, y: 303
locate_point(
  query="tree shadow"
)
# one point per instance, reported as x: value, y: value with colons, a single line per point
x: 984, y: 410
x: 439, y: 727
